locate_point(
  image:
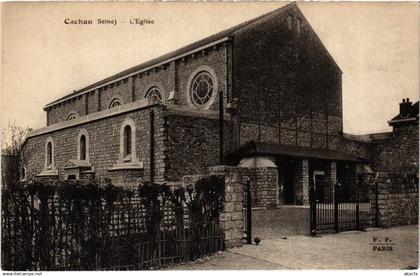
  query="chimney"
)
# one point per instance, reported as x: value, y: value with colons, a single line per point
x: 405, y: 108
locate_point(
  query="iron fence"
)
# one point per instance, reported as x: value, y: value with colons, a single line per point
x: 337, y: 208
x: 70, y: 226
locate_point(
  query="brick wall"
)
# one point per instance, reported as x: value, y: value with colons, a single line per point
x: 289, y: 88
x: 397, y: 198
x: 104, y: 146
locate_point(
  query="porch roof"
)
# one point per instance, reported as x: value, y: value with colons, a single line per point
x: 257, y: 148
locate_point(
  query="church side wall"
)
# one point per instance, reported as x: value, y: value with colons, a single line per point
x: 289, y: 89
x: 104, y: 146
x: 193, y: 144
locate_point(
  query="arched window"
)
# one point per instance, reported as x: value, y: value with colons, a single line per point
x: 83, y: 145
x: 72, y: 116
x: 127, y: 141
x: 154, y: 95
x: 49, y: 153
x: 202, y: 87
x: 115, y: 102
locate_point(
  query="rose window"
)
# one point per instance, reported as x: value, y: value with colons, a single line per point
x: 201, y: 89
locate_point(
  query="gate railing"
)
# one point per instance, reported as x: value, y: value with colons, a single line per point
x: 342, y: 208
x: 247, y: 213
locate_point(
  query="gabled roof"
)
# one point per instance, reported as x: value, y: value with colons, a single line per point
x: 193, y: 47
x: 413, y: 115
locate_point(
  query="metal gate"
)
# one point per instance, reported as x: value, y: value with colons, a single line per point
x: 335, y: 208
x: 247, y: 213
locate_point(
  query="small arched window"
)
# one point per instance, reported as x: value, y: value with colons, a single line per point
x: 127, y: 141
x: 114, y: 103
x: 83, y: 147
x: 49, y: 154
x: 71, y: 116
x: 154, y: 95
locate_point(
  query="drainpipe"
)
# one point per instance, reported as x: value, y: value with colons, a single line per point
x: 152, y: 146
x: 221, y: 125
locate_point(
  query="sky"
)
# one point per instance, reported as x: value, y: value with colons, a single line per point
x: 376, y: 46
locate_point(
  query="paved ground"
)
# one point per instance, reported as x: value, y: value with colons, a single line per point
x: 346, y: 250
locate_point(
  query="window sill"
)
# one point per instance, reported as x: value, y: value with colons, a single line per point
x: 136, y: 165
x: 77, y: 164
x: 48, y: 172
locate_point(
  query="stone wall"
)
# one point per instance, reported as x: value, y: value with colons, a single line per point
x: 264, y: 186
x: 302, y: 182
x: 186, y: 142
x: 104, y: 147
x: 193, y: 142
x: 400, y: 153
x: 264, y: 183
x: 170, y: 77
x: 231, y: 216
x: 398, y: 199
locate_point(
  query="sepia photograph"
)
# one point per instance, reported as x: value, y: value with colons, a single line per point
x: 186, y: 136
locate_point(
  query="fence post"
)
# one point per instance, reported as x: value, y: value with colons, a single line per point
x: 376, y: 205
x: 248, y: 212
x: 336, y: 187
x: 359, y: 180
x: 312, y: 210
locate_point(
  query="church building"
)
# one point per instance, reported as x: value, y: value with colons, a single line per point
x: 265, y: 95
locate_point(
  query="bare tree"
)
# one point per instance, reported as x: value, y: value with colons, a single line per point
x: 13, y: 138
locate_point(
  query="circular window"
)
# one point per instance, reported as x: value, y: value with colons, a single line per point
x: 201, y: 89
x: 154, y: 95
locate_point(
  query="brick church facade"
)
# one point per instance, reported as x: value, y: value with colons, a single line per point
x: 265, y: 96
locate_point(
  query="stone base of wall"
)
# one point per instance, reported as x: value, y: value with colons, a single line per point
x: 398, y: 198
x: 231, y: 216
